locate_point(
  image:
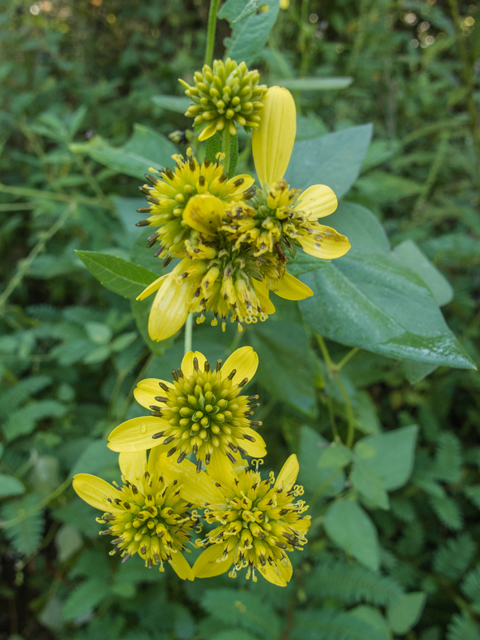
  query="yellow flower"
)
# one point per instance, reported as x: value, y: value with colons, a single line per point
x: 287, y: 216
x: 170, y: 193
x: 255, y: 525
x: 200, y: 412
x: 149, y: 514
x: 225, y: 96
x: 284, y: 4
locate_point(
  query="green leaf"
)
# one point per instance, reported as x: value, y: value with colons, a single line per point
x: 448, y: 458
x: 336, y: 456
x: 395, y: 455
x: 23, y: 421
x: 311, y: 476
x: 25, y: 534
x: 98, y: 332
x: 13, y: 397
x: 331, y: 625
x: 179, y: 104
x: 334, y: 160
x: 454, y: 556
x: 383, y: 187
x: 471, y: 586
x: 117, y: 275
x: 95, y: 457
x: 463, y: 627
x: 447, y: 511
x: 350, y: 528
x: 406, y: 612
x: 10, y: 486
x: 250, y: 34
x: 146, y: 148
x: 374, y: 618
x: 283, y: 347
x: 416, y: 371
x: 368, y: 483
x: 368, y: 300
x: 85, y: 598
x: 411, y: 256
x: 233, y: 634
x: 313, y: 84
x: 67, y: 541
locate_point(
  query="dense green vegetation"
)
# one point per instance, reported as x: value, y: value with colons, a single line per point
x: 393, y: 548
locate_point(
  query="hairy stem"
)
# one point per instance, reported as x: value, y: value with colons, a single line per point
x: 212, y: 25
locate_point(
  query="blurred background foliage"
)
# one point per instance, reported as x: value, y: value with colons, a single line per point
x: 70, y: 351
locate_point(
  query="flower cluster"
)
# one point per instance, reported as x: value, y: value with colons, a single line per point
x: 200, y: 413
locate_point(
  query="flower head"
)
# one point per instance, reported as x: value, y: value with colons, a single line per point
x: 227, y: 95
x: 255, y: 523
x: 201, y: 411
x: 170, y: 193
x: 148, y: 514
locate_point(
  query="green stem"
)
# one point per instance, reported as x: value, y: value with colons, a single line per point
x: 226, y: 149
x: 350, y: 416
x: 188, y: 333
x: 349, y: 355
x: 212, y: 24
x: 25, y: 265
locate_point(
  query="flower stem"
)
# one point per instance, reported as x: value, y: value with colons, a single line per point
x: 212, y: 24
x: 188, y: 333
x: 226, y: 149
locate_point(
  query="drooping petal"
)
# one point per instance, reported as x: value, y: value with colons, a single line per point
x: 204, y: 213
x: 272, y: 141
x: 136, y: 434
x: 243, y: 186
x: 195, y: 487
x: 277, y: 573
x: 288, y: 473
x: 181, y: 566
x: 291, y: 288
x: 331, y: 244
x: 187, y: 362
x: 261, y: 289
x: 170, y: 308
x: 208, y: 132
x: 132, y: 464
x: 210, y: 562
x: 256, y: 449
x: 220, y: 468
x: 147, y: 389
x: 95, y: 492
x: 156, y: 284
x: 245, y: 363
x: 317, y: 201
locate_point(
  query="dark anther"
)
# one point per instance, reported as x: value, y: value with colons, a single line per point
x: 219, y: 365
x: 231, y: 374
x: 143, y: 210
x: 201, y: 181
x: 168, y: 440
x: 206, y: 162
x: 171, y: 452
x: 142, y: 223
x: 195, y: 364
x: 156, y: 414
x: 238, y: 182
x: 169, y: 173
x: 195, y: 449
x: 206, y: 366
x: 126, y: 557
x: 180, y: 373
x: 127, y: 505
x: 199, y: 466
x: 152, y: 239
x: 252, y: 398
x: 174, y: 375
x: 281, y: 254
x: 163, y: 386
x: 145, y: 189
x: 223, y: 177
x: 134, y: 490
x: 154, y: 407
x: 232, y: 447
x: 107, y: 532
x: 283, y: 512
x: 167, y: 261
x: 191, y: 164
x: 156, y: 557
x: 247, y: 437
x: 158, y: 435
x: 243, y: 382
x: 254, y: 406
x: 153, y: 200
x: 158, y: 251
x: 242, y: 451
x: 281, y: 545
x: 231, y: 457
x: 182, y: 457
x: 256, y: 423
x: 207, y: 458
x: 161, y: 399
x: 143, y: 550
x: 249, y: 193
x: 149, y: 563
x: 151, y: 179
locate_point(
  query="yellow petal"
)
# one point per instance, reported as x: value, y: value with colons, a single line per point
x: 256, y: 449
x: 147, y: 389
x: 195, y: 487
x: 331, y: 244
x: 261, y: 289
x: 281, y: 578
x: 187, y: 362
x: 132, y: 464
x: 204, y: 213
x: 272, y: 140
x: 151, y: 288
x: 136, y: 434
x: 220, y: 468
x: 181, y: 566
x: 284, y: 4
x: 208, y: 132
x: 244, y: 361
x: 210, y: 563
x: 288, y: 473
x: 248, y: 181
x: 291, y: 288
x: 317, y: 201
x: 170, y: 308
x: 95, y: 492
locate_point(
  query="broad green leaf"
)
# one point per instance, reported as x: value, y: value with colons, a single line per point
x: 23, y: 421
x: 383, y: 187
x: 406, y: 612
x: 179, y: 104
x: 98, y: 333
x: 311, y: 476
x: 118, y: 275
x: 146, y: 148
x: 334, y: 160
x: 350, y: 528
x: 416, y: 371
x: 368, y: 483
x: 67, y: 541
x: 284, y: 365
x: 411, y: 256
x: 336, y: 456
x: 367, y: 299
x: 395, y: 454
x: 327, y: 624
x: 233, y: 634
x: 250, y: 34
x: 86, y: 597
x: 373, y: 617
x: 94, y: 458
x: 10, y: 486
x: 313, y: 84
